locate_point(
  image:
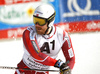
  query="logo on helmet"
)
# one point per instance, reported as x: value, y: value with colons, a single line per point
x: 38, y: 12
x: 37, y: 15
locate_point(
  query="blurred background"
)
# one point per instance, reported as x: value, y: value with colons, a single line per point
x: 80, y: 18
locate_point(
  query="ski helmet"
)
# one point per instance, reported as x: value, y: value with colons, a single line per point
x: 44, y: 13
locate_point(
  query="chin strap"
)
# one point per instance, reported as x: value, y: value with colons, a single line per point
x: 46, y: 30
x: 49, y: 24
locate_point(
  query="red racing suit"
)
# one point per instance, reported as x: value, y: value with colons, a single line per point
x: 40, y: 51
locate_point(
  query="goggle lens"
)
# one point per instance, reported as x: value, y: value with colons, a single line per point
x: 40, y: 21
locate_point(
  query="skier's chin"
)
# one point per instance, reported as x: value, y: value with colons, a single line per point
x: 40, y: 32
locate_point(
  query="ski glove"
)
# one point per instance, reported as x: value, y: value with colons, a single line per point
x: 64, y: 68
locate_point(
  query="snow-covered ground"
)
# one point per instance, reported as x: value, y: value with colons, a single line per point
x: 86, y: 47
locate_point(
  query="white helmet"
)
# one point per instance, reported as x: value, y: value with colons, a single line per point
x: 45, y: 11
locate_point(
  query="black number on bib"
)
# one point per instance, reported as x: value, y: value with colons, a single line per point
x: 53, y: 44
x: 46, y: 48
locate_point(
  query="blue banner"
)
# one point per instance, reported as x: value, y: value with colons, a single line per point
x: 79, y: 10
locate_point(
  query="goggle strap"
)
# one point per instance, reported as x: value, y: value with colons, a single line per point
x: 52, y: 16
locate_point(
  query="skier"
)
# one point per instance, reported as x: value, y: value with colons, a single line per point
x: 42, y: 43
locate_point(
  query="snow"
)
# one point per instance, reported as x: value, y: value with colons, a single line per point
x: 86, y: 47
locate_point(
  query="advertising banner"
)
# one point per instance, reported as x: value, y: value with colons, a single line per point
x: 17, y: 15
x: 80, y: 15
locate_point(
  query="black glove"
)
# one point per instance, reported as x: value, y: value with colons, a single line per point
x: 64, y: 68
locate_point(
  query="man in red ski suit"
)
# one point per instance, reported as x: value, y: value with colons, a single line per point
x: 42, y: 43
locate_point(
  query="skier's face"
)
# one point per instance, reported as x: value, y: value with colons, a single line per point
x: 41, y: 29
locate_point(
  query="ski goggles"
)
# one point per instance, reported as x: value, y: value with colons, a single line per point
x: 40, y: 21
